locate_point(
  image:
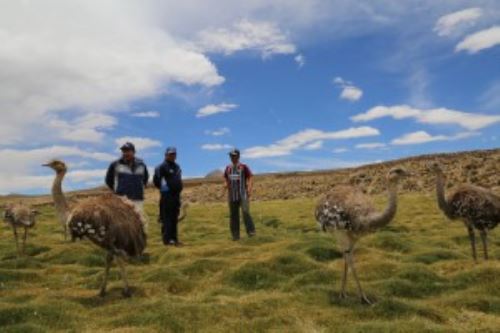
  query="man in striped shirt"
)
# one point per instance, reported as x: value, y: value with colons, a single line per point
x: 239, y: 185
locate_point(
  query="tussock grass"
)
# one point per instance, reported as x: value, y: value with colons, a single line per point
x: 418, y: 270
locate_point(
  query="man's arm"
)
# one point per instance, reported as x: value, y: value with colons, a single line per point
x: 249, y: 178
x: 110, y: 177
x: 249, y: 186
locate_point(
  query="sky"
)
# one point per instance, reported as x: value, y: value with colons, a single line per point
x: 294, y: 84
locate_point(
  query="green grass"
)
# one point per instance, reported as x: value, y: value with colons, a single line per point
x: 418, y: 270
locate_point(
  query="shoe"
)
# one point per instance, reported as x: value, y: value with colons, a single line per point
x: 251, y: 234
x: 236, y: 239
x: 171, y: 242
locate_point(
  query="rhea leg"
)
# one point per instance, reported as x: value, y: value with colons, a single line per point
x: 126, y: 291
x: 472, y: 237
x: 15, y: 237
x: 344, y: 275
x: 109, y: 260
x: 24, y: 240
x: 484, y: 239
x: 361, y: 293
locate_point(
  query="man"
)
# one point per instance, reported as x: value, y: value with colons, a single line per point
x: 128, y: 176
x: 168, y: 179
x: 239, y: 183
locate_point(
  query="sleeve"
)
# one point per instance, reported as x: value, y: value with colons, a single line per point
x: 157, y: 178
x: 226, y: 173
x: 110, y: 176
x: 146, y: 175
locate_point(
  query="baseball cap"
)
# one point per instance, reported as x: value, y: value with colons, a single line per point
x: 234, y: 152
x: 171, y: 150
x: 127, y: 146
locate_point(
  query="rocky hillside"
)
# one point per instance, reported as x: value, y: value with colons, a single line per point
x: 477, y: 167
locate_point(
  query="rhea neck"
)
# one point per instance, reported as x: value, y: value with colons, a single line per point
x: 383, y: 218
x: 57, y: 194
x: 442, y: 203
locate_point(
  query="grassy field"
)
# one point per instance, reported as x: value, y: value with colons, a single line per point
x: 286, y: 279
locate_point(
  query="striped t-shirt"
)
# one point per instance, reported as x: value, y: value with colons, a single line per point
x: 236, y: 177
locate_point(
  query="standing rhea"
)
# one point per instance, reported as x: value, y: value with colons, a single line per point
x: 477, y: 207
x: 350, y: 213
x: 109, y: 221
x: 20, y: 216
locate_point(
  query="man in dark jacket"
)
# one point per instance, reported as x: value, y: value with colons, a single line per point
x: 128, y: 176
x: 168, y: 179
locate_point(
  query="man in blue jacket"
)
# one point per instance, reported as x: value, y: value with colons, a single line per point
x: 128, y: 176
x: 168, y: 179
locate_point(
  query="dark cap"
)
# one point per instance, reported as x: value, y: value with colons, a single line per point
x: 171, y: 150
x: 128, y: 146
x: 234, y: 152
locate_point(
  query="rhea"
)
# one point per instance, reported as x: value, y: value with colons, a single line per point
x: 109, y: 221
x: 477, y: 207
x: 350, y: 214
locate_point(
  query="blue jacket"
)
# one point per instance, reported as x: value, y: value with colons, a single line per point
x: 128, y: 179
x: 168, y: 178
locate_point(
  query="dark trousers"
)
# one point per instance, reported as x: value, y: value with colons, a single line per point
x: 169, y: 216
x: 234, y: 210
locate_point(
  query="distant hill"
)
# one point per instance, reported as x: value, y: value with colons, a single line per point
x: 215, y: 174
x: 480, y: 167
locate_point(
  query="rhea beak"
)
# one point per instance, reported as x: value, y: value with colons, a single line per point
x: 46, y: 164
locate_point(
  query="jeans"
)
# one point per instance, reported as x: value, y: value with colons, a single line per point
x: 234, y: 209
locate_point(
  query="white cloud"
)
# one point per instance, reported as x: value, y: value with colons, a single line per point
x: 212, y: 109
x: 264, y: 37
x: 17, y: 175
x: 349, y: 91
x: 490, y: 99
x: 87, y: 128
x: 470, y: 121
x: 370, y: 145
x: 420, y: 137
x: 340, y: 150
x: 20, y: 160
x: 218, y: 132
x: 20, y: 183
x: 215, y: 146
x: 304, y: 138
x: 139, y: 143
x: 480, y: 40
x: 316, y: 145
x: 146, y: 114
x: 447, y: 24
x: 300, y: 60
x: 58, y: 61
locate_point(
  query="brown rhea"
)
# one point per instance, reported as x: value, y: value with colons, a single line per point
x: 477, y: 207
x: 20, y: 216
x: 351, y: 214
x: 109, y: 221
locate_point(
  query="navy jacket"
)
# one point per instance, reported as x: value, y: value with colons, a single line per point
x: 128, y: 180
x: 168, y: 178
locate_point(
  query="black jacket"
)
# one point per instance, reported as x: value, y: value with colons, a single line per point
x: 128, y: 179
x: 168, y: 178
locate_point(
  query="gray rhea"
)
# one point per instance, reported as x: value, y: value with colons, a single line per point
x: 477, y: 207
x: 109, y: 221
x: 350, y: 214
x: 20, y: 216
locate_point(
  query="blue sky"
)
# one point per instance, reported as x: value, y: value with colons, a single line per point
x: 296, y: 85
